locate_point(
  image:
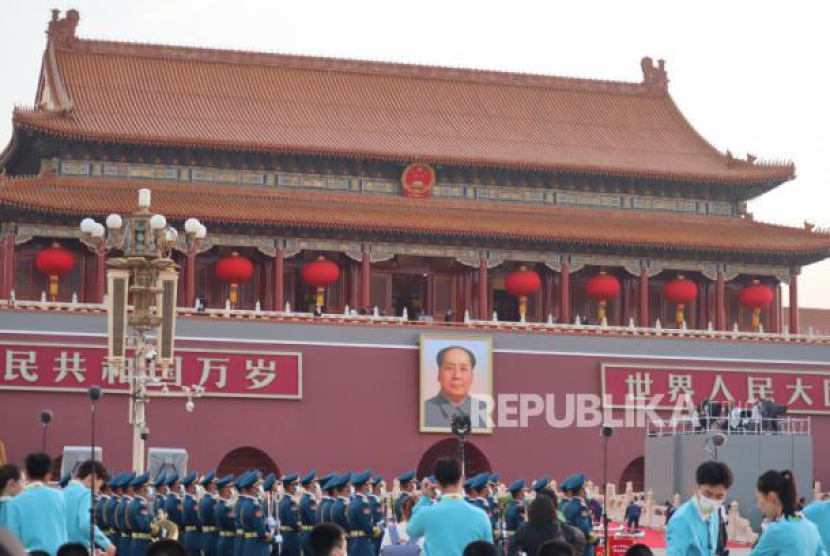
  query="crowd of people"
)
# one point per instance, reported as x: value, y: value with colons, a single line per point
x: 446, y: 514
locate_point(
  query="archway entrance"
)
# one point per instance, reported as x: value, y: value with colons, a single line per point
x: 476, y: 461
x: 244, y: 459
x: 635, y: 472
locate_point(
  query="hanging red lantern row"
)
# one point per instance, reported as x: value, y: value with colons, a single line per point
x: 602, y: 287
x: 54, y: 262
x: 319, y: 274
x: 681, y: 292
x: 523, y: 283
x: 756, y: 296
x: 234, y: 270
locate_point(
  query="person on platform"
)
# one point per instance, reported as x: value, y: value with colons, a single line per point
x: 140, y: 517
x: 289, y: 516
x: 694, y: 528
x: 632, y: 515
x: 340, y: 508
x: 576, y: 510
x: 450, y: 524
x: 787, y: 533
x: 407, y: 485
x: 308, y: 509
x: 361, y: 533
x: 328, y: 539
x: 77, y: 499
x: 542, y: 526
x: 223, y: 517
x: 456, y: 365
x: 190, y: 516
x: 819, y: 513
x: 257, y: 539
x: 37, y: 516
x: 207, y: 515
x: 11, y: 484
x: 514, y: 513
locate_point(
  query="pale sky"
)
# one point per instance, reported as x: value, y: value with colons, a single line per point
x: 751, y: 76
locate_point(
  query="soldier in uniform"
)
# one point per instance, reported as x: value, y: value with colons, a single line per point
x: 139, y: 517
x: 339, y: 510
x: 376, y: 505
x: 576, y: 510
x: 407, y: 484
x: 207, y: 515
x: 493, y: 504
x: 113, y: 531
x: 289, y: 512
x: 241, y: 501
x: 224, y: 517
x: 361, y: 533
x: 100, y: 505
x: 327, y: 498
x: 161, y: 494
x: 308, y: 510
x: 173, y: 505
x: 257, y: 540
x: 514, y: 513
x: 270, y: 502
x: 190, y: 516
x: 121, y: 514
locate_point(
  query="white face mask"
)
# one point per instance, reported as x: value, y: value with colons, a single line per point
x: 707, y: 506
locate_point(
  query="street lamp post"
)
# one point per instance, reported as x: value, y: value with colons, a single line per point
x: 141, y: 297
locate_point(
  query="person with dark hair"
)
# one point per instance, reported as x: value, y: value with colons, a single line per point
x: 480, y: 548
x: 449, y: 525
x: 694, y: 529
x: 787, y: 533
x: 542, y: 525
x: 166, y: 547
x: 11, y: 484
x: 638, y: 550
x: 456, y: 365
x: 632, y: 516
x: 555, y: 548
x: 77, y: 497
x: 327, y: 539
x: 38, y: 515
x: 73, y: 549
x: 819, y: 513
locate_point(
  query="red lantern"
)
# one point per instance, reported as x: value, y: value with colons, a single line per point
x: 680, y: 291
x: 601, y: 288
x: 523, y: 283
x: 319, y: 274
x: 54, y: 261
x: 234, y: 270
x: 756, y: 296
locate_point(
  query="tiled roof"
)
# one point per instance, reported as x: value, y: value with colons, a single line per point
x: 136, y: 93
x: 479, y: 221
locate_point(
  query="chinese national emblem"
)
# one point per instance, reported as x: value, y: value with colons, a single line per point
x: 417, y: 180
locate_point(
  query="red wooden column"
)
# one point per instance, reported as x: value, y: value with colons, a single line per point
x: 794, y: 324
x: 483, y: 290
x: 279, y: 280
x: 645, y: 316
x: 100, y: 275
x: 565, y: 295
x: 720, y: 302
x: 365, y: 280
x: 7, y: 262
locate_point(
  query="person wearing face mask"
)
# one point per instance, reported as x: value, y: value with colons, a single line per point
x: 577, y: 512
x: 787, y: 533
x: 694, y: 528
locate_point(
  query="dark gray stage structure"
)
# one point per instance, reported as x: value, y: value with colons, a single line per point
x: 674, y: 452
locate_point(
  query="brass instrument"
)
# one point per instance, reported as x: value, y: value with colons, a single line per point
x: 163, y: 529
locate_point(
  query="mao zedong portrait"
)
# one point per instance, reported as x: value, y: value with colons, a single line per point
x: 456, y: 366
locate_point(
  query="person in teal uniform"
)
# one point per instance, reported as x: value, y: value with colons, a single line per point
x: 514, y: 513
x: 160, y: 499
x: 327, y: 500
x: 224, y: 516
x: 577, y: 512
x: 694, y: 528
x: 207, y: 515
x: 339, y: 510
x: 241, y: 501
x: 77, y: 498
x: 173, y: 506
x: 376, y: 505
x: 308, y: 510
x: 819, y: 513
x: 361, y: 538
x: 190, y: 516
x: 139, y: 516
x: 289, y: 515
x: 407, y: 484
x: 37, y: 516
x: 257, y: 539
x: 787, y: 533
x: 123, y: 545
x: 11, y: 484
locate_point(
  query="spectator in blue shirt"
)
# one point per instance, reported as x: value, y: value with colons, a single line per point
x: 694, y: 529
x: 451, y: 524
x: 77, y: 497
x: 11, y: 484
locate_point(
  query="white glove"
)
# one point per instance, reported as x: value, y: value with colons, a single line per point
x: 271, y: 522
x: 278, y: 539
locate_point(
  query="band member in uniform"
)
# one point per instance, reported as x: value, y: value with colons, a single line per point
x: 361, y: 538
x: 327, y: 500
x: 121, y: 515
x: 224, y: 517
x: 190, y: 516
x: 207, y: 515
x: 257, y: 540
x: 113, y: 531
x: 339, y: 510
x: 100, y: 505
x: 514, y: 514
x: 308, y: 510
x: 270, y: 504
x: 160, y: 499
x: 139, y: 517
x: 289, y: 513
x: 577, y: 512
x: 407, y: 484
x: 241, y: 501
x: 376, y: 505
x: 173, y: 505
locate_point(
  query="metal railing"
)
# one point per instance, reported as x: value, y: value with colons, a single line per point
x: 725, y: 425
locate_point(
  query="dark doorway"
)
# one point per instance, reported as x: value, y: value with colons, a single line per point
x: 243, y: 459
x: 476, y: 461
x: 635, y: 472
x: 505, y: 305
x: 408, y: 292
